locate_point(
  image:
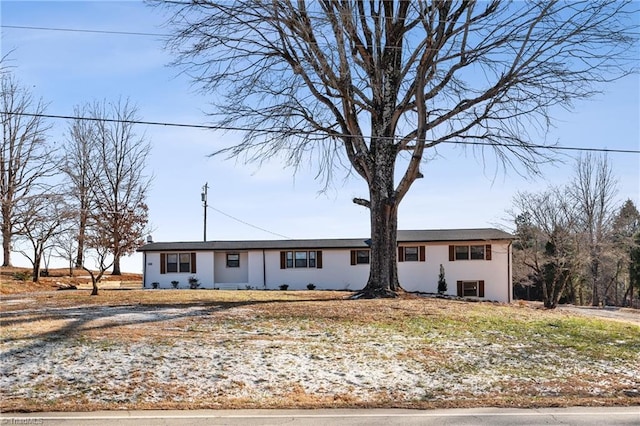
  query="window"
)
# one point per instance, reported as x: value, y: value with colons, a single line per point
x: 462, y: 252
x: 477, y: 252
x: 177, y: 263
x: 300, y: 259
x: 470, y: 252
x: 185, y: 262
x: 233, y: 260
x: 362, y: 257
x: 412, y: 254
x: 172, y: 262
x: 471, y: 288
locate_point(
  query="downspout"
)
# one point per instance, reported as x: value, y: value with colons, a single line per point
x: 144, y: 269
x: 264, y: 270
x: 509, y: 277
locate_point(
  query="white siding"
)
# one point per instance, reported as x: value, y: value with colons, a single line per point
x: 225, y: 275
x: 256, y: 269
x: 423, y: 276
x: 337, y: 273
x: 204, y: 272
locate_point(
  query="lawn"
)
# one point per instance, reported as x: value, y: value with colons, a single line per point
x: 144, y: 349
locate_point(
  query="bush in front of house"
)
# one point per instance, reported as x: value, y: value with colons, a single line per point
x: 311, y: 286
x: 175, y: 283
x: 194, y: 283
x: 155, y: 285
x: 284, y: 286
x: 442, y: 282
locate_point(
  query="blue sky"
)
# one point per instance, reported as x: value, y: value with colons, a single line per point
x: 459, y: 190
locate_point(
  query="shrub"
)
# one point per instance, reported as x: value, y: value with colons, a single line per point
x: 248, y: 287
x: 22, y: 275
x: 311, y: 286
x: 155, y: 284
x: 175, y: 284
x: 442, y: 282
x: 284, y: 286
x: 194, y: 283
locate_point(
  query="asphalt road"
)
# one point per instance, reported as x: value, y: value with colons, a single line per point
x: 583, y: 416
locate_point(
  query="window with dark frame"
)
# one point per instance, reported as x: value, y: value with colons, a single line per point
x: 411, y: 254
x: 470, y: 288
x: 177, y: 263
x: 362, y: 257
x: 462, y: 252
x: 233, y: 260
x: 172, y: 262
x: 185, y: 262
x: 300, y: 259
x: 477, y: 252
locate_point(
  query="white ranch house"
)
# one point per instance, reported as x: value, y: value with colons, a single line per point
x: 477, y: 263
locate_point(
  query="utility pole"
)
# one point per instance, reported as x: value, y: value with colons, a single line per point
x: 205, y: 205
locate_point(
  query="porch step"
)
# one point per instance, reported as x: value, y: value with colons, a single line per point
x: 223, y: 286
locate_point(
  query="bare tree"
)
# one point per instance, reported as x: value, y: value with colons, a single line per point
x: 45, y: 217
x: 76, y: 166
x: 376, y: 84
x: 65, y: 246
x: 98, y: 248
x: 118, y: 184
x: 25, y: 157
x: 594, y: 189
x: 547, y: 241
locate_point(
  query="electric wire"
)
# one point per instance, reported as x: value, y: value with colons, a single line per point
x: 247, y: 223
x: 244, y: 129
x: 83, y: 30
x: 135, y: 33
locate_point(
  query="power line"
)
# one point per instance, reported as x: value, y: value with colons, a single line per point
x: 138, y: 33
x: 83, y: 30
x: 249, y: 224
x: 244, y: 129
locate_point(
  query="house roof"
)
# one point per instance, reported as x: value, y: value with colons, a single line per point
x: 404, y: 236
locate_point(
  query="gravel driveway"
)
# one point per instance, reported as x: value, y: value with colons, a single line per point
x: 609, y: 312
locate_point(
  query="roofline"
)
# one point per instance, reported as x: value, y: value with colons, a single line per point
x: 457, y: 235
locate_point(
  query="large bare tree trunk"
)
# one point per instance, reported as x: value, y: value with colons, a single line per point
x: 82, y: 224
x: 116, y: 266
x: 6, y: 241
x: 36, y: 266
x: 383, y: 273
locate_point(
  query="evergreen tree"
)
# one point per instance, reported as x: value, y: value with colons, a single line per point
x: 442, y: 282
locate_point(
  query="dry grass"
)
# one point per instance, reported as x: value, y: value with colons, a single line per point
x: 143, y: 349
x: 10, y: 282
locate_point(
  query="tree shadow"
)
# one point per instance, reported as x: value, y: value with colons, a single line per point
x: 82, y: 319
